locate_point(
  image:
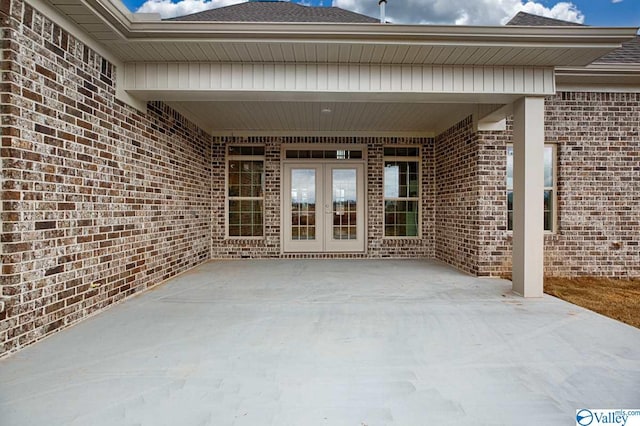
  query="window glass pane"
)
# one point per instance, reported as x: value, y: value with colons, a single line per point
x: 548, y: 210
x: 401, y: 179
x: 344, y: 202
x: 245, y: 185
x: 401, y: 218
x: 390, y: 151
x: 510, y: 210
x: 547, y: 221
x: 245, y: 218
x: 391, y: 180
x: 303, y: 204
x: 548, y: 166
x: 412, y: 183
x: 549, y: 197
x: 245, y: 178
x: 246, y: 150
x: 509, y: 167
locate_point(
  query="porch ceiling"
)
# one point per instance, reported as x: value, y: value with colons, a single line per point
x: 268, y: 117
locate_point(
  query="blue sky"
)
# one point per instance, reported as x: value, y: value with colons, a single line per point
x: 475, y: 12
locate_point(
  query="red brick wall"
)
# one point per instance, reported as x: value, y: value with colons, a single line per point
x: 598, y: 146
x: 100, y: 201
x: 377, y: 246
x: 457, y: 203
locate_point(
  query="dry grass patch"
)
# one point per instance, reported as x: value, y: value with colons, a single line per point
x: 616, y: 298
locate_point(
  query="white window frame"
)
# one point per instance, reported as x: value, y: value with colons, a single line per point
x: 228, y: 198
x: 553, y: 188
x: 418, y: 199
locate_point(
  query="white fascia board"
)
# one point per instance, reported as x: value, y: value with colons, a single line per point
x: 599, y: 77
x: 132, y: 27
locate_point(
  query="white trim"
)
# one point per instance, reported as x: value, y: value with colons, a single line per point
x: 227, y: 197
x: 610, y: 88
x: 599, y: 77
x: 114, y: 12
x: 416, y: 159
x: 324, y: 243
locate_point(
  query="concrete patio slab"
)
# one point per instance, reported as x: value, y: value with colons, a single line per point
x: 326, y: 342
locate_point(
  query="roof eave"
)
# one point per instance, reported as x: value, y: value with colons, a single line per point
x: 600, y: 74
x: 132, y: 26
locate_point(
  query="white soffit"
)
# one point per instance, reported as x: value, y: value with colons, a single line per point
x: 134, y: 37
x: 269, y: 117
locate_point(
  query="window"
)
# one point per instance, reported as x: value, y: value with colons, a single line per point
x: 245, y: 191
x: 549, y: 187
x: 401, y: 191
x: 327, y: 154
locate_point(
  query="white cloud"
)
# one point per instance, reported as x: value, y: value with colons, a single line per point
x: 616, y: 1
x: 461, y: 12
x: 168, y: 9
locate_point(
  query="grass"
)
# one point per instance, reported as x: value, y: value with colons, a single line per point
x: 615, y: 298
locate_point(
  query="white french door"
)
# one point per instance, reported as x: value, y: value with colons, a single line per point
x: 324, y: 207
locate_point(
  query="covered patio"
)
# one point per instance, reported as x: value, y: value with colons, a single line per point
x: 325, y: 342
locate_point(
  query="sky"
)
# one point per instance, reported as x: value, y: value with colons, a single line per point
x: 444, y: 12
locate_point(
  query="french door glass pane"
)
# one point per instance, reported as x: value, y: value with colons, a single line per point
x: 345, y: 203
x: 303, y: 204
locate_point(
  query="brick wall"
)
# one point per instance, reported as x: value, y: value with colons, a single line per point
x: 457, y: 203
x: 377, y: 246
x: 598, y: 146
x: 100, y: 201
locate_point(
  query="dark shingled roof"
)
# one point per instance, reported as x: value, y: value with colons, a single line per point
x: 528, y: 20
x: 277, y: 11
x: 629, y: 53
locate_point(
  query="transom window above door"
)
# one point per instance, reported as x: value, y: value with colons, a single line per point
x: 323, y: 154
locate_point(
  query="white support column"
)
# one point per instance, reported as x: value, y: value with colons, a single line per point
x: 528, y: 196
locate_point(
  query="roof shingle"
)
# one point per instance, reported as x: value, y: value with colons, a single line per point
x: 276, y: 11
x: 629, y: 53
x: 528, y: 20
